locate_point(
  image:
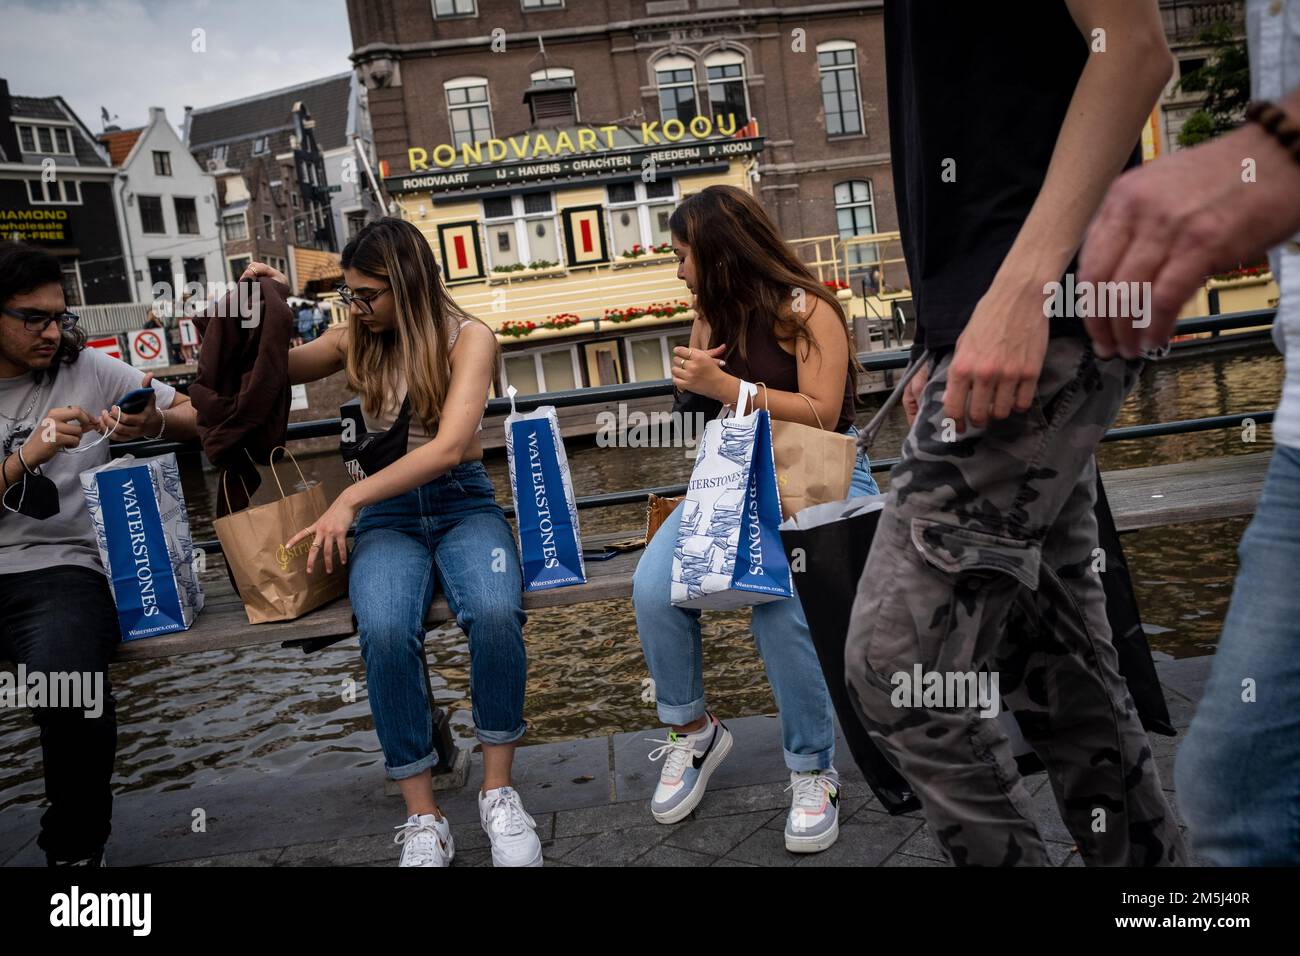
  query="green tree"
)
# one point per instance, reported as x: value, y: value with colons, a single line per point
x: 1225, y: 82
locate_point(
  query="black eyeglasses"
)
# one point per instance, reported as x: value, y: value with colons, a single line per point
x: 38, y: 322
x: 362, y: 301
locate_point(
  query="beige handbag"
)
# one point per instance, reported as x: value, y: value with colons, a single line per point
x: 272, y: 581
x: 813, y: 466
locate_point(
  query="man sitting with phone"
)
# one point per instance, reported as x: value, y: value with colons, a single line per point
x: 58, y: 409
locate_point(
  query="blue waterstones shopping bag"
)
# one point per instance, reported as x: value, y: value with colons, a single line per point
x: 547, y: 513
x: 729, y: 552
x: 143, y: 531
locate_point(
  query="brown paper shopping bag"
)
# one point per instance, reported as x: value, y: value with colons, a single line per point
x: 813, y: 466
x: 273, y: 582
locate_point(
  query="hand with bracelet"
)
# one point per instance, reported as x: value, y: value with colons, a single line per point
x: 149, y: 423
x: 1176, y: 220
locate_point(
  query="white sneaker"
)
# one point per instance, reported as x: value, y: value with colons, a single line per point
x: 509, y: 827
x: 689, y: 761
x: 425, y: 841
x: 813, y: 824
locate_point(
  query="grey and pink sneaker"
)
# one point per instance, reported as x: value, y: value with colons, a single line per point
x: 689, y: 761
x: 814, y: 820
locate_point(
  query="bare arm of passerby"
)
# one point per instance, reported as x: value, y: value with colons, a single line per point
x: 999, y: 355
x: 1176, y: 220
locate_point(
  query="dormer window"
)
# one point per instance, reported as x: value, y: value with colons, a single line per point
x: 53, y: 140
x: 553, y: 97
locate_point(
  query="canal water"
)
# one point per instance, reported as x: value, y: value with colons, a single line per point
x: 225, y: 716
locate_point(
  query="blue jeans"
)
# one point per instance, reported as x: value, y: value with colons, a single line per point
x: 451, y: 530
x: 1238, y: 772
x: 670, y: 640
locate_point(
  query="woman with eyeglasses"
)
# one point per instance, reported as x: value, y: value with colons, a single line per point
x: 425, y: 512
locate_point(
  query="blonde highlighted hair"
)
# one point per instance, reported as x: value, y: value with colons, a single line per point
x: 418, y: 348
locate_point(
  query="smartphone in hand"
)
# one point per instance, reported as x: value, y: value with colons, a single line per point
x: 134, y: 402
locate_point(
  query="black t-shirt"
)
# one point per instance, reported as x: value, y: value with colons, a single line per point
x: 987, y: 86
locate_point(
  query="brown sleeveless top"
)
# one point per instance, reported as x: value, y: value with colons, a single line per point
x: 776, y: 368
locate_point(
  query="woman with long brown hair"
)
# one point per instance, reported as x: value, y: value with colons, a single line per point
x: 425, y: 511
x: 761, y: 316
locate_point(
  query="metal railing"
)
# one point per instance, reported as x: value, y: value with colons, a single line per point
x: 871, y: 361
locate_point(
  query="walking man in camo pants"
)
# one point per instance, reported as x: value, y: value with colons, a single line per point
x: 991, y: 505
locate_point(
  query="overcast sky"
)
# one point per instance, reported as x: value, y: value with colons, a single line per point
x: 129, y: 55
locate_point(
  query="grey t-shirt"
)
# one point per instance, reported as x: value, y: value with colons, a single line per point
x: 94, y: 382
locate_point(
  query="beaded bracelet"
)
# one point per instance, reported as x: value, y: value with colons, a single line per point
x: 1278, y: 123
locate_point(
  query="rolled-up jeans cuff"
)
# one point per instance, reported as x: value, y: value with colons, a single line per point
x: 412, y: 769
x: 679, y: 714
x: 501, y: 736
x: 802, y: 763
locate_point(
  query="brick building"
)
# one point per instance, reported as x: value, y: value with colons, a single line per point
x: 810, y: 72
x: 266, y: 156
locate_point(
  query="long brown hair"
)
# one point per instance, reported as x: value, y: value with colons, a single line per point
x: 746, y: 275
x: 396, y: 252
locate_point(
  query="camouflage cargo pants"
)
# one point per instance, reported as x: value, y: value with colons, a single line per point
x: 973, y: 526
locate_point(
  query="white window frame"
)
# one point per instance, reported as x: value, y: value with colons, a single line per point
x: 198, y: 227
x: 852, y: 204
x: 728, y: 58
x: 162, y: 213
x: 642, y: 204
x: 667, y: 357
x: 219, y: 154
x: 264, y: 142
x: 537, y: 364
x: 467, y: 82
x: 473, y: 10
x: 225, y: 234
x: 167, y: 159
x: 855, y: 204
x: 521, y: 221
x: 234, y: 276
x: 669, y: 64
x: 51, y: 128
x: 836, y: 46
x: 63, y: 188
x: 535, y: 6
x: 357, y: 216
x: 81, y: 288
